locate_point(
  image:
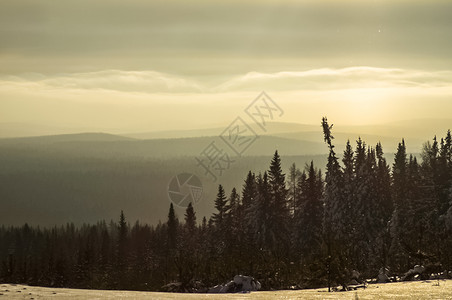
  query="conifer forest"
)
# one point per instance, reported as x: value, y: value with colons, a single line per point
x: 302, y: 228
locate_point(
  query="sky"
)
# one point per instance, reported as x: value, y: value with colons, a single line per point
x: 137, y: 66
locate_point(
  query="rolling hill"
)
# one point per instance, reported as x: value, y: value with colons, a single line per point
x: 86, y: 177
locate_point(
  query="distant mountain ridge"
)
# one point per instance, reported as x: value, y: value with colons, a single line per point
x: 70, y: 137
x: 289, y: 138
x: 99, y: 144
x: 271, y: 128
x: 416, y: 129
x: 408, y: 128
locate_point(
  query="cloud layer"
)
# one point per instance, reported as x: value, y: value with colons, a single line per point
x: 222, y: 37
x: 157, y: 82
x: 345, y: 78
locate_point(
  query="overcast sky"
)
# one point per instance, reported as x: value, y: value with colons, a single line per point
x: 127, y: 66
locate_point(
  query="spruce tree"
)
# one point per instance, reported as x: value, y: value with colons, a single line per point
x: 261, y: 213
x: 443, y: 180
x: 294, y: 175
x: 235, y: 217
x: 419, y: 214
x: 384, y: 208
x: 347, y: 223
x: 172, y: 225
x: 248, y: 225
x: 384, y: 185
x: 235, y: 207
x: 448, y: 215
x: 310, y: 220
x: 301, y: 199
x: 187, y: 256
x: 336, y: 263
x: 399, y: 177
x: 122, y: 251
x: 248, y: 191
x: 222, y: 208
x: 190, y: 219
x: 334, y: 194
x: 234, y: 237
x: 399, y: 261
x: 373, y: 214
x: 436, y: 171
x: 280, y: 216
x: 220, y: 232
x: 363, y: 212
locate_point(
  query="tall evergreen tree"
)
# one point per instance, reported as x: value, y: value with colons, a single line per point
x: 279, y: 222
x: 187, y: 257
x: 190, y: 219
x: 222, y: 207
x: 292, y: 186
x: 420, y: 208
x: 442, y: 180
x: 122, y: 239
x: 448, y: 154
x: 248, y: 222
x: 235, y: 218
x: 309, y: 223
x: 172, y: 243
x: 220, y: 232
x: 399, y: 177
x: 383, y: 210
x: 172, y: 225
x: 437, y: 177
x: 336, y: 259
x: 384, y: 185
x: 301, y: 198
x: 347, y: 223
x: 235, y: 208
x: 262, y: 209
x: 263, y: 227
x: 122, y: 250
x: 234, y: 237
x: 363, y: 212
x: 248, y: 191
x: 399, y: 262
x: 334, y: 197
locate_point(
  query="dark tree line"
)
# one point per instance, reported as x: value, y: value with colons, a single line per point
x: 308, y: 231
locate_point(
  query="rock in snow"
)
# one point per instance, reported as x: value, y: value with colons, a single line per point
x: 415, y: 273
x: 382, y: 276
x: 239, y: 284
x: 248, y: 283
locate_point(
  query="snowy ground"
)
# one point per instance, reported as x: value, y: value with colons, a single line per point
x: 400, y: 290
